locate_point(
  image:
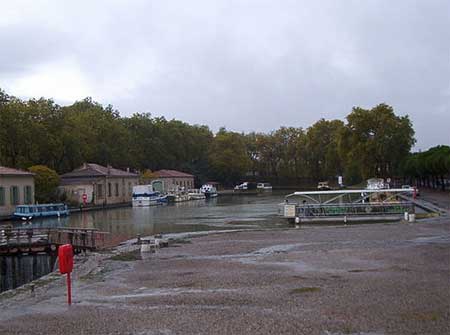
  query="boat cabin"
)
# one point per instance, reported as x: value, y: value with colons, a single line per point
x: 43, y: 210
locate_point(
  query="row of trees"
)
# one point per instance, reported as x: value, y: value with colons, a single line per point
x: 41, y: 132
x: 372, y: 142
x: 430, y: 168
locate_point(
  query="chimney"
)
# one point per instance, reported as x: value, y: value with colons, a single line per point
x: 128, y: 169
x: 109, y: 168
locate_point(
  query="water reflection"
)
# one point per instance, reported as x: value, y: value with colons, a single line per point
x: 218, y: 213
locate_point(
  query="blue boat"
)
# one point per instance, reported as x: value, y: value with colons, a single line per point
x: 28, y: 212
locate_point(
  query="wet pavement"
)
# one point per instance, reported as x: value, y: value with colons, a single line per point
x: 359, y: 279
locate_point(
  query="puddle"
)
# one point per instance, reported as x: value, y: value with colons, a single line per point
x: 274, y: 249
x: 166, y: 292
x: 445, y: 239
x: 347, y: 333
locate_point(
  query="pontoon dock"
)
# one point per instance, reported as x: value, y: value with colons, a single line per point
x: 348, y: 205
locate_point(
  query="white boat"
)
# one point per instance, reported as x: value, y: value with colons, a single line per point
x: 264, y: 187
x: 376, y: 184
x: 209, y: 191
x: 144, y: 196
x: 177, y: 196
x: 196, y: 195
x: 243, y: 186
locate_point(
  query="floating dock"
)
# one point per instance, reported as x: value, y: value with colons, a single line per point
x: 348, y: 205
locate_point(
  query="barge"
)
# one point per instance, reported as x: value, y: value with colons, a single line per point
x: 29, y: 212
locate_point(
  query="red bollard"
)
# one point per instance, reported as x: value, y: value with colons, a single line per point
x: 65, y: 255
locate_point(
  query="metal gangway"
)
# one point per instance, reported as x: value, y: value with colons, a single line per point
x: 348, y: 205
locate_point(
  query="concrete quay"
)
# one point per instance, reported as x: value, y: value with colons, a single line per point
x: 356, y: 279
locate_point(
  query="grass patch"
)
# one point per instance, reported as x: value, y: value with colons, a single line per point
x: 126, y: 257
x: 305, y: 290
x: 364, y: 270
x: 426, y: 215
x: 422, y: 316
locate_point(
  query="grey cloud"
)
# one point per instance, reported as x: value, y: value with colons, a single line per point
x: 250, y: 65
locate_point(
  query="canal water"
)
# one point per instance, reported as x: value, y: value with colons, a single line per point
x: 223, y: 212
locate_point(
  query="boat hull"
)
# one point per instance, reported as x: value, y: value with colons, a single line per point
x: 147, y: 202
x: 210, y: 195
x: 30, y: 212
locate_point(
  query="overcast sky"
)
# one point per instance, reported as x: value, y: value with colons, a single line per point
x: 245, y: 65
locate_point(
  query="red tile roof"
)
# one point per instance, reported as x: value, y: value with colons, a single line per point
x: 172, y: 174
x: 96, y: 170
x: 6, y: 171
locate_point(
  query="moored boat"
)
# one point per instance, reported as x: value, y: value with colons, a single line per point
x: 264, y: 187
x: 144, y: 196
x: 28, y: 212
x: 209, y: 191
x: 196, y: 195
x: 177, y: 196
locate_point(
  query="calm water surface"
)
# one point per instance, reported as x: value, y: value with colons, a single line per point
x: 224, y: 212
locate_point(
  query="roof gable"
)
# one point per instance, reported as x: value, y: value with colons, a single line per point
x: 6, y: 171
x: 172, y: 174
x: 97, y: 170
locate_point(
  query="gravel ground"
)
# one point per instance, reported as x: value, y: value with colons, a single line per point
x: 357, y: 279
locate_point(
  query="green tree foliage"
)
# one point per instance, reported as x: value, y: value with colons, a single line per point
x: 429, y: 168
x: 378, y: 140
x: 62, y: 138
x: 323, y: 158
x: 46, y: 182
x: 373, y: 142
x: 228, y: 156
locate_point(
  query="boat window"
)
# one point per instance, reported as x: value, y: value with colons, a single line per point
x: 42, y: 209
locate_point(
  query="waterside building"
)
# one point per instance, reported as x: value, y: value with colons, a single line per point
x: 16, y: 188
x: 95, y: 184
x: 174, y: 180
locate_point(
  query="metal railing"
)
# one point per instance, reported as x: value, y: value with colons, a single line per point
x: 349, y: 209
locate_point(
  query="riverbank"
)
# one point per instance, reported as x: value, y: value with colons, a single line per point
x: 373, y: 278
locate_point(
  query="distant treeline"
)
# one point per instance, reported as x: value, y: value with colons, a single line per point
x: 430, y: 168
x: 372, y: 142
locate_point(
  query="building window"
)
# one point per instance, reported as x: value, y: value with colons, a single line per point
x: 116, y: 186
x: 2, y: 196
x: 14, y: 194
x: 99, y: 191
x: 27, y: 196
x: 123, y: 188
x: 130, y: 188
x: 109, y: 190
